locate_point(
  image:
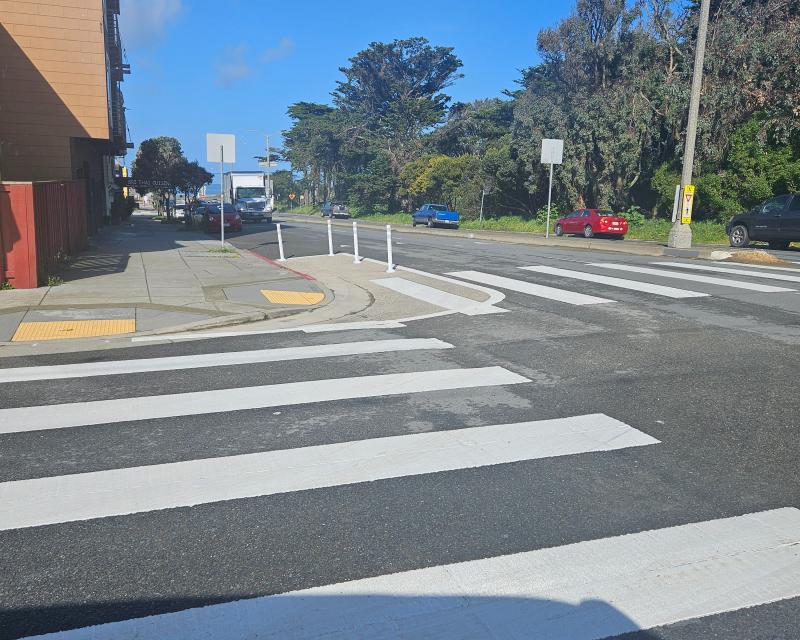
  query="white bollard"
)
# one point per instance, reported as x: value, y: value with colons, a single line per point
x: 356, y: 257
x: 330, y: 239
x: 389, y: 262
x: 280, y: 244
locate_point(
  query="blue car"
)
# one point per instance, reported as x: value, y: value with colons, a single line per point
x: 435, y: 215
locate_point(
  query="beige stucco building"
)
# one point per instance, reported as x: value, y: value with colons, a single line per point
x: 62, y: 114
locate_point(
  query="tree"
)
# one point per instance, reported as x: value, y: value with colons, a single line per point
x: 189, y: 177
x: 396, y: 92
x: 156, y: 159
x: 314, y: 146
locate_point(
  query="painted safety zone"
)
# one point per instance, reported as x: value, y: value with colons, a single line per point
x: 292, y: 297
x: 60, y: 329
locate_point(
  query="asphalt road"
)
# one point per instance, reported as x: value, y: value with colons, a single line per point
x: 710, y: 378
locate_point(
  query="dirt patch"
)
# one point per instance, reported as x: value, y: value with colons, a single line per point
x: 757, y: 256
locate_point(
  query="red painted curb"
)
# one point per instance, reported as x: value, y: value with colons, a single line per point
x: 280, y: 266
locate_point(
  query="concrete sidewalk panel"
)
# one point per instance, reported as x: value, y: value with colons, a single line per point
x: 151, y: 319
x: 9, y: 323
x: 48, y: 315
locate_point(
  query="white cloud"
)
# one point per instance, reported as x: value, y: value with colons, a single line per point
x: 144, y: 22
x: 233, y: 66
x: 284, y: 49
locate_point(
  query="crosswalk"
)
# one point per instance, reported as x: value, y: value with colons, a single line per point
x: 653, y: 280
x: 590, y: 589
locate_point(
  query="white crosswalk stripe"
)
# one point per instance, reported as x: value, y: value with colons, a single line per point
x: 736, y: 272
x: 770, y: 267
x: 560, y: 593
x: 76, y: 414
x: 31, y: 503
x: 622, y: 283
x: 230, y: 358
x: 693, y: 277
x: 437, y: 297
x: 529, y: 288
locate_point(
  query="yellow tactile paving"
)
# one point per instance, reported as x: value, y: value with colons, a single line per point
x: 292, y: 297
x: 58, y: 330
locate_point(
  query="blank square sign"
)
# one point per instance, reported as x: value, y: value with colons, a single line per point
x: 552, y: 151
x: 216, y: 140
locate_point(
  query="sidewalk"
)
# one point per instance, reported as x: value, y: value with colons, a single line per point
x: 147, y: 277
x: 635, y: 247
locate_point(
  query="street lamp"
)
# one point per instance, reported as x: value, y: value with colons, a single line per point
x: 680, y: 236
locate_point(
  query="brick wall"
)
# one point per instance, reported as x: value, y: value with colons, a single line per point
x: 53, y: 84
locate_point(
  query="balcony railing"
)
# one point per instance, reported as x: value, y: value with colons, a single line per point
x: 117, y: 70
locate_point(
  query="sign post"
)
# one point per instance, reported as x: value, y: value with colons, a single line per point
x: 687, y: 202
x: 220, y: 146
x: 552, y: 153
x: 292, y: 196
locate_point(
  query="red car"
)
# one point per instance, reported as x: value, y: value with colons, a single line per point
x: 233, y: 220
x: 592, y: 222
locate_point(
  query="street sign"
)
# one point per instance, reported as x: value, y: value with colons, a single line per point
x: 687, y: 202
x: 221, y: 147
x: 224, y: 142
x: 267, y: 165
x: 552, y: 151
x: 292, y: 196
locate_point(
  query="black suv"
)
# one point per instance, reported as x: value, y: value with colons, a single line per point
x: 776, y: 221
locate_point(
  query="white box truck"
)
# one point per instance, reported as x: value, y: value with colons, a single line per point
x: 250, y: 192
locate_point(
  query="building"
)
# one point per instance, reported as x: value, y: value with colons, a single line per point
x: 62, y: 115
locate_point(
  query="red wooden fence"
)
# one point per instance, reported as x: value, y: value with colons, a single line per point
x: 40, y: 223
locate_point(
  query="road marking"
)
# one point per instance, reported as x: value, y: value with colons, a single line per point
x: 352, y: 326
x: 119, y: 367
x: 762, y: 266
x: 736, y: 272
x: 495, y: 297
x: 314, y: 328
x: 76, y: 414
x: 583, y: 591
x: 521, y: 286
x: 61, y: 329
x: 437, y: 297
x: 664, y: 273
x: 100, y: 494
x: 635, y: 285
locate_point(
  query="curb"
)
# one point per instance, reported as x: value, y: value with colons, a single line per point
x: 222, y: 321
x: 511, y: 237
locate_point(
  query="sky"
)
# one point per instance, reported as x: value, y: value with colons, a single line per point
x: 234, y: 66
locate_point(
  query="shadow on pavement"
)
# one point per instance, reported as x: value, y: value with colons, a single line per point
x: 331, y: 616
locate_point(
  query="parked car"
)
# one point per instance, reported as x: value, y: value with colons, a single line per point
x: 335, y: 210
x: 592, y: 222
x: 435, y: 215
x: 211, y: 218
x: 776, y: 221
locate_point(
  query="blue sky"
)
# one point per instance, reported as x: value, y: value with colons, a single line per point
x: 234, y: 66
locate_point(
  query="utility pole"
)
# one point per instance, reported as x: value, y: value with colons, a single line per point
x: 680, y: 236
